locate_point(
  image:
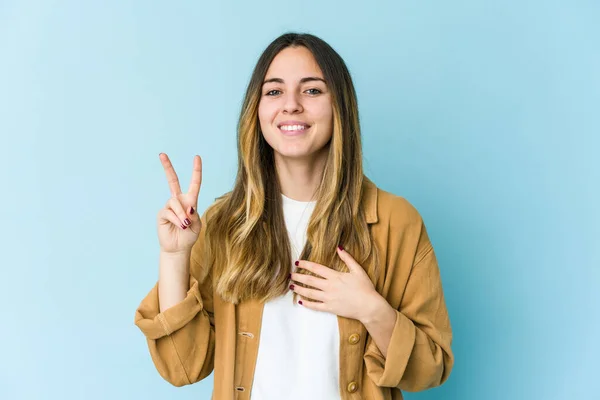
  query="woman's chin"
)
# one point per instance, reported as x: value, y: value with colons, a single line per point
x: 301, y: 151
x: 293, y: 154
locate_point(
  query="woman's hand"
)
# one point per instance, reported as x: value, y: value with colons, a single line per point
x: 178, y: 222
x: 347, y: 294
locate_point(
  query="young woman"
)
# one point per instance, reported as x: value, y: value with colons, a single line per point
x: 306, y: 281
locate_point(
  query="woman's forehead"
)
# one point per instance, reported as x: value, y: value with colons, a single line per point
x: 293, y: 64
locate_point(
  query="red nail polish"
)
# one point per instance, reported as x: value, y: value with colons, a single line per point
x: 300, y: 302
x: 341, y: 248
x: 296, y: 263
x: 192, y: 211
x: 291, y: 287
x: 183, y: 226
x: 290, y: 276
x: 187, y: 221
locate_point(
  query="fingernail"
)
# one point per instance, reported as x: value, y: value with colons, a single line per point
x: 290, y: 276
x: 300, y: 302
x: 341, y: 248
x: 191, y: 210
x: 183, y: 226
x: 187, y: 221
x: 291, y: 287
x: 296, y: 263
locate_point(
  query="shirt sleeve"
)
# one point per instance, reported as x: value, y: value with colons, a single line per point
x: 181, y: 339
x: 419, y: 354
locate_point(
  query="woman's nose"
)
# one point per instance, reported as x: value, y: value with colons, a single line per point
x: 292, y: 105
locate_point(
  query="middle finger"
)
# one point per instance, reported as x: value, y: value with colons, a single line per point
x: 313, y: 294
x: 309, y: 280
x: 171, y: 175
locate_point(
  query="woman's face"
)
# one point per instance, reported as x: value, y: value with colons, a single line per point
x: 295, y: 109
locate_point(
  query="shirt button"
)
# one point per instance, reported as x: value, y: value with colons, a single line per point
x: 352, y: 386
x: 354, y: 338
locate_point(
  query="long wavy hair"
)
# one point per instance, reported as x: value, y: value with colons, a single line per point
x: 247, y: 241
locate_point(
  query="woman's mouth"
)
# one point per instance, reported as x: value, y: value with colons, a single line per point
x: 293, y: 128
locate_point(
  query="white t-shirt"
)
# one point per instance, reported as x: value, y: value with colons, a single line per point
x: 298, y: 352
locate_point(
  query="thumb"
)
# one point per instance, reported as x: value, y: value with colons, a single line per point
x: 195, y: 217
x: 353, y: 266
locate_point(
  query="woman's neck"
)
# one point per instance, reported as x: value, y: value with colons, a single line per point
x: 299, y: 179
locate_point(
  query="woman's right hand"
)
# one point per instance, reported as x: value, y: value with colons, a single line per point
x: 178, y: 222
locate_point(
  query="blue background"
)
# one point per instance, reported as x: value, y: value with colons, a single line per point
x: 485, y: 115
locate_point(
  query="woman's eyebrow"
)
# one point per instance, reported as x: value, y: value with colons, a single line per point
x: 312, y: 78
x: 303, y: 80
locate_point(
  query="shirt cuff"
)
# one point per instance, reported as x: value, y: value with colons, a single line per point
x: 155, y: 324
x: 388, y: 371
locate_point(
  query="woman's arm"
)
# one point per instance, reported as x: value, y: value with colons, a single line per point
x: 179, y: 323
x: 417, y: 351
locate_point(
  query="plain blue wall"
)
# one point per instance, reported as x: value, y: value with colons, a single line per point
x: 485, y: 115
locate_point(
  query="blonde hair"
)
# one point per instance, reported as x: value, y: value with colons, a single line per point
x: 246, y: 239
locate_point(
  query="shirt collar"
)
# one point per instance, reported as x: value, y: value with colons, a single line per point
x: 370, y: 200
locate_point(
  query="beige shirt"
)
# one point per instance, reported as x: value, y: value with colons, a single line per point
x: 204, y: 333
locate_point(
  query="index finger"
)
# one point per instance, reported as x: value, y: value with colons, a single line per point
x: 171, y: 175
x: 315, y: 268
x: 196, y: 182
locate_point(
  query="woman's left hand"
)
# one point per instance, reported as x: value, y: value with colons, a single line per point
x: 347, y: 294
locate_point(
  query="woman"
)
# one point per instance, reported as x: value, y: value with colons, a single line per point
x: 305, y: 281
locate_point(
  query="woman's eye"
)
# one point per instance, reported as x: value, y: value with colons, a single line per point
x: 314, y: 91
x: 273, y: 92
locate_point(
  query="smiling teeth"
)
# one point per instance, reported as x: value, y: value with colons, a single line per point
x: 293, y: 127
